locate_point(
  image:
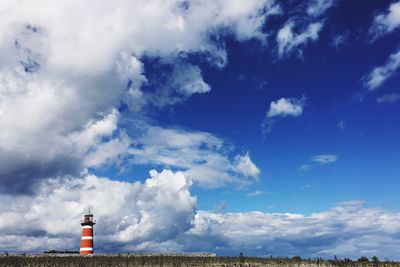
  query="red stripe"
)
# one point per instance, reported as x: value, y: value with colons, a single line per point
x: 87, y: 232
x: 86, y: 243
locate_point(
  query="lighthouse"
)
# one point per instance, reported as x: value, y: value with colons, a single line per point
x: 87, y: 234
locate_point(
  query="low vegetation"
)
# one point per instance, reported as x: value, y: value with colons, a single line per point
x: 183, y: 260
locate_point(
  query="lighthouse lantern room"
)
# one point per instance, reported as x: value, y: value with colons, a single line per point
x: 87, y: 234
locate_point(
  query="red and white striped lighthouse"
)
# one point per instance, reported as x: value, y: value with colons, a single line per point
x: 87, y: 234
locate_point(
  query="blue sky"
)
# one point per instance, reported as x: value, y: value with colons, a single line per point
x: 269, y: 127
x: 340, y: 117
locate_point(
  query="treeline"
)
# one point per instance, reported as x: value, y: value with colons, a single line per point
x: 183, y: 261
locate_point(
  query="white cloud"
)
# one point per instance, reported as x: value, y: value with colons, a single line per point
x: 188, y: 80
x: 127, y: 214
x: 303, y: 28
x: 245, y: 166
x: 59, y: 78
x: 286, y: 107
x: 318, y: 7
x: 159, y: 27
x: 380, y: 74
x: 180, y: 80
x: 342, y: 231
x: 388, y: 98
x: 324, y: 158
x: 205, y: 157
x: 255, y: 193
x: 281, y: 108
x: 386, y: 22
x: 319, y: 159
x: 34, y: 145
x: 160, y: 215
x: 288, y: 40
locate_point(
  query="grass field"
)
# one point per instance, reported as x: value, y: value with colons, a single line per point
x: 175, y: 261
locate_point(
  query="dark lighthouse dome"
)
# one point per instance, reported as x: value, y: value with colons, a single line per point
x: 88, y: 219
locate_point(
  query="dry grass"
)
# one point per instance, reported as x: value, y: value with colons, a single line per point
x: 178, y: 261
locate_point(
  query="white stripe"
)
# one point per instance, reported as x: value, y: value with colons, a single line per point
x: 86, y: 249
x: 87, y: 237
x: 87, y: 226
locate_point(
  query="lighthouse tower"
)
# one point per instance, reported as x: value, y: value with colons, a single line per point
x: 87, y: 234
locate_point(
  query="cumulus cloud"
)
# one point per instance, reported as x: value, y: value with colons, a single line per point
x: 324, y: 159
x: 380, y: 74
x: 128, y: 214
x: 160, y: 215
x: 286, y: 107
x: 33, y: 147
x: 52, y: 120
x: 157, y: 27
x: 288, y: 40
x: 176, y: 81
x: 245, y: 166
x: 318, y: 7
x: 388, y: 98
x: 188, y: 80
x: 60, y: 79
x: 386, y: 22
x: 347, y: 230
x: 282, y: 108
x: 203, y: 156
